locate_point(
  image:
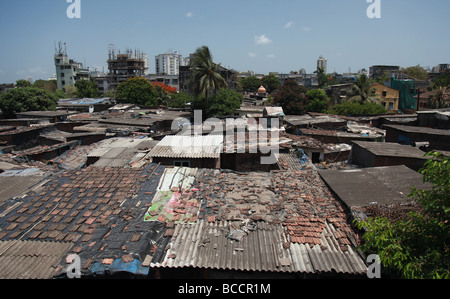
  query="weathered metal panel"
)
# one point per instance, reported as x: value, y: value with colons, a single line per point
x: 30, y: 259
x: 208, y: 245
x: 189, y: 147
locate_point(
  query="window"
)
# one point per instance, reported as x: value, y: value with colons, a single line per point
x: 384, y: 94
x: 182, y: 163
x: 62, y: 75
x: 391, y: 106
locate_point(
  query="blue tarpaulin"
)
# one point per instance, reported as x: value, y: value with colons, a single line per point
x: 134, y: 267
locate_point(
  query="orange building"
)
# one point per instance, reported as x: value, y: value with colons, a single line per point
x: 389, y: 96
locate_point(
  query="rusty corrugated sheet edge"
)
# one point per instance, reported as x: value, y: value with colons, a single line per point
x: 202, y: 245
x: 31, y: 259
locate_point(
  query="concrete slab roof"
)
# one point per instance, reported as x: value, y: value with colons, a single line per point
x: 381, y: 185
x: 391, y: 149
x: 421, y: 130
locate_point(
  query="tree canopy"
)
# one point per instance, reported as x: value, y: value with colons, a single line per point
x: 291, y: 96
x: 270, y: 83
x: 355, y: 108
x: 417, y: 246
x: 416, y: 72
x: 27, y: 99
x: 137, y: 91
x: 250, y: 83
x: 362, y: 91
x: 318, y: 100
x: 86, y: 89
x: 224, y: 103
x: 205, y: 79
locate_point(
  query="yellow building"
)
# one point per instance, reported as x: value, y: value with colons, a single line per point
x: 389, y: 96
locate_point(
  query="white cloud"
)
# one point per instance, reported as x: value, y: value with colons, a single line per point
x: 251, y: 54
x: 262, y: 40
x: 189, y: 15
x: 271, y: 56
x: 289, y: 24
x: 306, y: 28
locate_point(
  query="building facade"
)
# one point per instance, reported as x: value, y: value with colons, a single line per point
x: 389, y: 97
x: 322, y: 64
x: 377, y: 71
x: 124, y: 66
x: 168, y: 63
x: 68, y: 71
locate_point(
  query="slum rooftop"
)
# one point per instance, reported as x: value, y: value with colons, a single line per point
x: 137, y: 220
x: 122, y: 213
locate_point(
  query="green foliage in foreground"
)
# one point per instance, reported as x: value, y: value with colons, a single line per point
x: 27, y: 99
x: 418, y: 247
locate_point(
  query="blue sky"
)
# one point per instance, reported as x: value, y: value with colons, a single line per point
x: 258, y: 35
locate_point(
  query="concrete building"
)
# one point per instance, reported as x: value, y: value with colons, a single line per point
x: 389, y: 97
x: 5, y: 87
x: 168, y: 63
x: 381, y: 70
x: 124, y: 66
x: 322, y: 64
x: 68, y: 71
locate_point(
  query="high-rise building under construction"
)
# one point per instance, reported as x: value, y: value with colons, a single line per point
x: 123, y: 66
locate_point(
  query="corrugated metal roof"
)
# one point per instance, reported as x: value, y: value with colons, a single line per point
x: 189, y: 147
x: 181, y: 177
x: 266, y: 248
x: 30, y: 259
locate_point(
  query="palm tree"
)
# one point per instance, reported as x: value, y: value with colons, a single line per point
x: 362, y: 91
x: 440, y: 99
x: 205, y: 78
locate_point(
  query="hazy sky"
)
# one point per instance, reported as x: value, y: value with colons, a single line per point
x: 258, y: 35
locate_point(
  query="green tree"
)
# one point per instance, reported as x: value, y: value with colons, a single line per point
x: 71, y: 91
x: 271, y: 83
x: 179, y: 100
x: 442, y: 80
x: 224, y: 103
x: 48, y: 85
x: 322, y: 77
x: 291, y: 96
x: 26, y: 99
x: 250, y: 83
x: 417, y: 246
x: 110, y: 94
x: 59, y: 94
x: 440, y: 99
x: 162, y: 97
x: 86, y: 89
x: 362, y: 91
x: 205, y: 79
x: 416, y: 72
x: 137, y: 90
x: 318, y: 100
x: 23, y: 83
